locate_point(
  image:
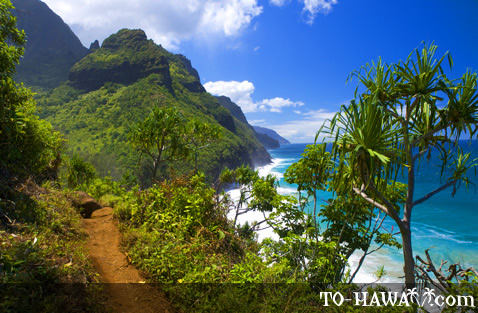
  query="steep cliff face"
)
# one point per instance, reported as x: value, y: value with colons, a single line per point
x: 51, y: 49
x: 236, y: 111
x: 118, y: 83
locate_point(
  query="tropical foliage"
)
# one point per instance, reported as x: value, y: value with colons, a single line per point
x: 178, y: 232
x: 165, y: 136
x: 28, y: 145
x: 407, y: 111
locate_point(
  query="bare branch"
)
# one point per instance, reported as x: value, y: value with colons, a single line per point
x: 434, y: 192
x: 430, y: 133
x: 380, y: 206
x: 395, y: 115
x: 415, y: 157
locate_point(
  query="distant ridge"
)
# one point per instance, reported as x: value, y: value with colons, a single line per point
x: 272, y: 133
x: 236, y: 111
x: 51, y: 49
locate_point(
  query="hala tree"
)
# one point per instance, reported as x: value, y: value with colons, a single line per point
x: 407, y: 112
x: 159, y: 137
x: 165, y: 135
x: 200, y: 136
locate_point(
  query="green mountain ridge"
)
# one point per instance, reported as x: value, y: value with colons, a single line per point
x: 51, y: 49
x: 236, y: 111
x: 117, y: 84
x: 272, y: 134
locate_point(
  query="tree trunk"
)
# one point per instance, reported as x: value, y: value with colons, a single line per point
x: 409, y: 263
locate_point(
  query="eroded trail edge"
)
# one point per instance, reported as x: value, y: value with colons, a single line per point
x: 124, y: 284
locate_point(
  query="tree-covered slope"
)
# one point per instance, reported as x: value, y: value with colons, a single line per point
x: 118, y: 84
x: 236, y: 111
x: 51, y: 48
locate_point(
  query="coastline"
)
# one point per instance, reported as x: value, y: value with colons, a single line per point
x: 453, y: 241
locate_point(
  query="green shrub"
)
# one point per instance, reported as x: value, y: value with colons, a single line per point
x: 80, y: 172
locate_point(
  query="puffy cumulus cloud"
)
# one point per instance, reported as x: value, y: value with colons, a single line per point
x: 314, y: 7
x: 276, y: 104
x: 167, y: 22
x: 305, y: 129
x: 228, y: 16
x: 240, y: 93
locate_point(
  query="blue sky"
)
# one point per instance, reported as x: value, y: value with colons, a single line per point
x: 285, y: 61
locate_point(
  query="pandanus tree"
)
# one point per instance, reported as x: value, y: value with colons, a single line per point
x: 159, y: 136
x: 166, y: 136
x: 405, y: 113
x: 200, y: 135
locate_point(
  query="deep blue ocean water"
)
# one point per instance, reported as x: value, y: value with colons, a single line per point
x: 449, y: 224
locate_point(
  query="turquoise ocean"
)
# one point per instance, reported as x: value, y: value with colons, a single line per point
x: 448, y: 224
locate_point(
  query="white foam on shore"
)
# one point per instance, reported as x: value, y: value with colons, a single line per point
x: 269, y: 168
x: 372, y: 264
x: 255, y: 216
x: 251, y: 217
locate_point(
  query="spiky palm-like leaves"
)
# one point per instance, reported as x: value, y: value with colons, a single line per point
x: 407, y: 111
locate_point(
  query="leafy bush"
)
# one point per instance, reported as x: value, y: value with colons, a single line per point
x: 80, y: 172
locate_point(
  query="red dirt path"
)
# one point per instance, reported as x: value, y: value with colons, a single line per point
x: 125, y: 288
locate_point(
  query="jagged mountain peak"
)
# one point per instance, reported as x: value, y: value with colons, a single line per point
x: 128, y: 56
x: 126, y: 38
x: 118, y: 83
x: 123, y: 58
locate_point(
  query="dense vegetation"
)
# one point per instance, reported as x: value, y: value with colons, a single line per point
x: 40, y: 234
x: 126, y: 78
x: 177, y: 230
x: 178, y: 233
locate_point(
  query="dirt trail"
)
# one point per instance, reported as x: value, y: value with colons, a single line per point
x: 124, y: 283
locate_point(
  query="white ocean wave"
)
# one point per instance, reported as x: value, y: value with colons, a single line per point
x: 251, y: 218
x: 276, y: 162
x: 372, y: 263
x: 433, y: 232
x: 439, y: 235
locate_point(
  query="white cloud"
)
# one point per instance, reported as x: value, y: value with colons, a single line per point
x: 276, y: 104
x: 257, y: 122
x: 240, y: 93
x: 167, y: 22
x: 311, y: 7
x: 228, y: 16
x: 278, y: 3
x: 314, y: 7
x: 302, y: 130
